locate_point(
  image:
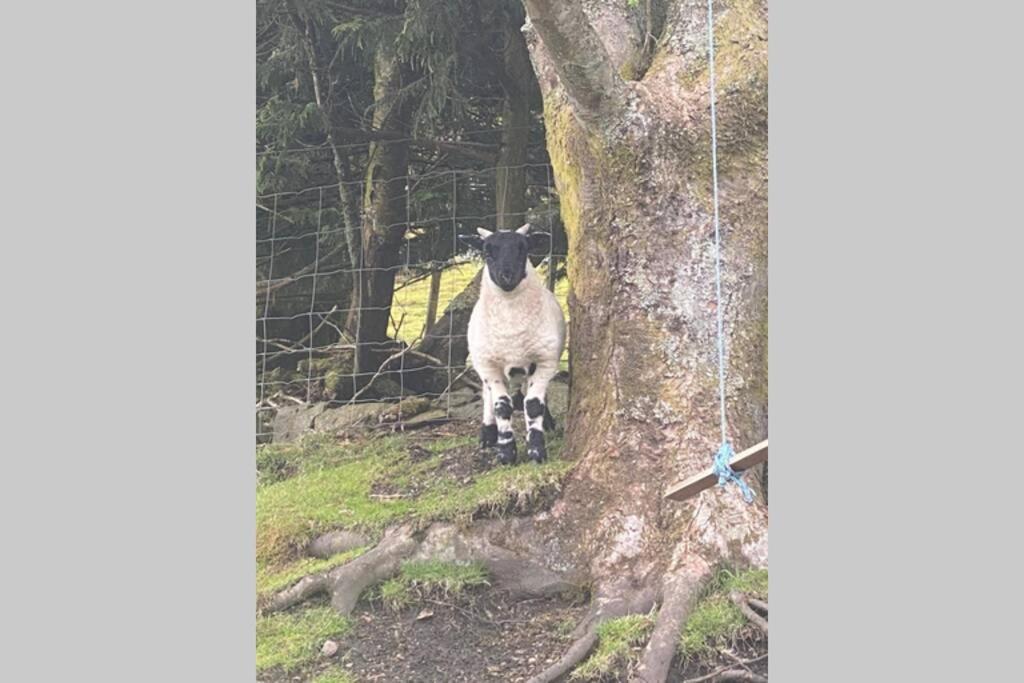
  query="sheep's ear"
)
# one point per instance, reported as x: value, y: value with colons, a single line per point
x: 473, y: 242
x: 523, y: 229
x: 484, y: 232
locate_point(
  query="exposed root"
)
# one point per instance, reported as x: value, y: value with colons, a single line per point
x: 306, y: 588
x: 347, y: 582
x: 744, y: 602
x: 679, y: 594
x: 350, y: 580
x: 758, y: 604
x: 335, y: 542
x: 725, y: 670
x: 611, y: 603
x: 519, y: 575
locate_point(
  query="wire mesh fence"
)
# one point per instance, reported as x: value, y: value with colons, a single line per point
x: 353, y: 310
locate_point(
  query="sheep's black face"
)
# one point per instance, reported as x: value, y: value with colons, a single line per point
x: 505, y: 253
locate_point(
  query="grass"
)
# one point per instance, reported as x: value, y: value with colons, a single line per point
x: 332, y: 489
x: 411, y: 301
x: 290, y: 639
x: 313, y: 451
x: 715, y: 619
x: 618, y: 644
x: 421, y: 578
x: 337, y: 676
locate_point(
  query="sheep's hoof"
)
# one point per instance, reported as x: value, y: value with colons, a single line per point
x: 535, y: 447
x: 488, y: 435
x: 507, y: 453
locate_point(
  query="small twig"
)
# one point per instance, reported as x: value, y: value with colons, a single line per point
x: 290, y: 398
x: 292, y: 349
x: 740, y: 676
x: 724, y: 669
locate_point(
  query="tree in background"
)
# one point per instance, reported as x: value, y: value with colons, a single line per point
x: 382, y: 99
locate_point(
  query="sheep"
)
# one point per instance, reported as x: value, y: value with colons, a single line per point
x: 516, y: 329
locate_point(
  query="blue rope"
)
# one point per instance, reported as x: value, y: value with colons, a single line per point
x: 722, y: 469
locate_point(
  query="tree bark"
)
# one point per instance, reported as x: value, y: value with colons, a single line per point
x: 632, y: 165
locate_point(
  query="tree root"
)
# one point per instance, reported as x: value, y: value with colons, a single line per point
x: 520, y: 576
x: 744, y: 602
x: 679, y: 594
x: 347, y: 582
x: 609, y: 603
x: 335, y: 542
x: 350, y: 580
x: 726, y: 671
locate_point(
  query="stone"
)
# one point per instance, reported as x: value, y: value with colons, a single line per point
x: 292, y: 421
x: 347, y: 417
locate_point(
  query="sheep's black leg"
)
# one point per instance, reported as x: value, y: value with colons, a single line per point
x: 549, y: 419
x: 536, y: 449
x: 506, y: 439
x: 538, y: 417
x: 488, y: 435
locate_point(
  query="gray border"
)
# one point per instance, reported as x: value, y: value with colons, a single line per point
x: 128, y: 482
x: 892, y: 175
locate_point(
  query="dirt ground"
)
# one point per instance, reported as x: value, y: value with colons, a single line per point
x: 481, y: 638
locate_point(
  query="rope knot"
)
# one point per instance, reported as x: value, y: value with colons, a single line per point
x: 726, y: 474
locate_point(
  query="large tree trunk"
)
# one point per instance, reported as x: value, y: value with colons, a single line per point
x: 632, y: 166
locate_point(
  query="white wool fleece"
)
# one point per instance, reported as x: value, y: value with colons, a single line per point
x: 516, y: 329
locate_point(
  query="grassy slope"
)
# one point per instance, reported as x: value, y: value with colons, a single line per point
x: 333, y: 489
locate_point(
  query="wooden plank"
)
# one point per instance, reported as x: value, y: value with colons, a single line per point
x: 755, y: 455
